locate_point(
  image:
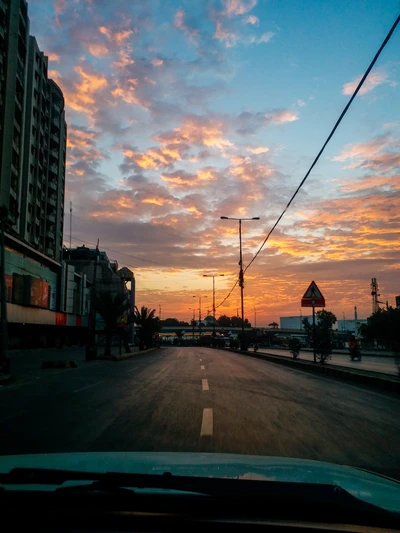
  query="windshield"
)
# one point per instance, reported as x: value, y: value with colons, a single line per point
x: 200, y: 220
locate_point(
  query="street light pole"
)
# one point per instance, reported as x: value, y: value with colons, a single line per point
x: 213, y: 276
x: 241, y: 273
x: 200, y: 314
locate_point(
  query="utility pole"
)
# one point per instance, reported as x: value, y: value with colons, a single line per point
x: 4, y: 360
x: 241, y: 273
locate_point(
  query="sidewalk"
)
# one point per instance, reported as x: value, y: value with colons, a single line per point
x: 26, y: 365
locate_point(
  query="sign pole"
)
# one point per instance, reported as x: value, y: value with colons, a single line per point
x: 313, y: 329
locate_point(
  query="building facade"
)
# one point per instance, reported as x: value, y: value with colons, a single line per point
x: 14, y: 37
x: 32, y: 136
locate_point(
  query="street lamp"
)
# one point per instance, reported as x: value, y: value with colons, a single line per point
x: 241, y: 273
x: 199, y: 313
x: 213, y: 276
x: 193, y: 323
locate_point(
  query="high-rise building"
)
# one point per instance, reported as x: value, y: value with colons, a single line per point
x: 32, y: 136
x: 14, y: 31
x: 43, y: 174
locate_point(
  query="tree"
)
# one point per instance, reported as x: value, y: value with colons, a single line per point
x: 173, y: 322
x: 224, y: 321
x: 110, y: 307
x: 324, y: 321
x: 384, y: 326
x: 149, y: 325
x: 273, y: 325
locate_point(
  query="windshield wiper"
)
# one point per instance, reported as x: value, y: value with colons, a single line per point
x: 252, y: 490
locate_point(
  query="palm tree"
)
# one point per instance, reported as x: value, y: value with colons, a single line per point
x: 148, y: 323
x: 110, y: 307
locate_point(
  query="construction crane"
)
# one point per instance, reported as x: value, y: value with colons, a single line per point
x: 375, y: 295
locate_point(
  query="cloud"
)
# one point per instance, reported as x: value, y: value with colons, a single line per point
x: 263, y: 38
x: 249, y: 123
x: 370, y: 155
x: 367, y: 149
x: 373, y: 80
x: 238, y: 7
x: 251, y: 19
x: 257, y: 149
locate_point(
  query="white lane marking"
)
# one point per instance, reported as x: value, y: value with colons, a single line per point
x: 204, y: 383
x: 202, y: 367
x: 131, y: 370
x: 207, y: 423
x: 88, y: 386
x: 200, y: 359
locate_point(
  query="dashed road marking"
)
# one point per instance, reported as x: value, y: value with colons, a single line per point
x: 207, y: 423
x: 204, y: 383
x: 88, y: 386
x: 202, y: 367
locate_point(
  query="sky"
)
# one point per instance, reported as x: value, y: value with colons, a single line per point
x: 180, y: 112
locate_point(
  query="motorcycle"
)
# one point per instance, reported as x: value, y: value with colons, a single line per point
x: 355, y: 354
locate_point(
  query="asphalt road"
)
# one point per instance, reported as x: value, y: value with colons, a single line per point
x: 384, y: 365
x: 200, y: 399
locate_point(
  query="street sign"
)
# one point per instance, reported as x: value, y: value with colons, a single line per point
x: 313, y: 297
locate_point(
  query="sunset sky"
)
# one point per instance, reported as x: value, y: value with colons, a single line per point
x: 179, y: 112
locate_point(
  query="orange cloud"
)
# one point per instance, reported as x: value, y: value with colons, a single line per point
x: 367, y: 149
x: 115, y: 36
x: 53, y: 57
x: 373, y: 80
x: 257, y: 149
x: 85, y: 90
x: 98, y: 50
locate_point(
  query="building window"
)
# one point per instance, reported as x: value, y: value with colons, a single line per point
x: 30, y: 188
x: 28, y: 227
x: 30, y: 208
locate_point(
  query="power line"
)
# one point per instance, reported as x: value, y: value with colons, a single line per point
x: 386, y: 40
x: 226, y: 297
x: 123, y: 253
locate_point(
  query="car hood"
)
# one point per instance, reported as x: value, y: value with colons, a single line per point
x: 367, y: 486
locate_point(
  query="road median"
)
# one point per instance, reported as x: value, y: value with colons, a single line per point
x: 365, y: 377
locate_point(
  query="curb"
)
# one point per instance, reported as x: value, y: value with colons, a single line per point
x: 125, y: 355
x: 376, y: 380
x: 7, y: 379
x: 59, y: 364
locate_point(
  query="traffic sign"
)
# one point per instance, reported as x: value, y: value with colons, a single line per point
x: 313, y: 297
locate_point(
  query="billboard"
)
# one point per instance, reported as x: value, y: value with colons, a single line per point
x: 9, y: 285
x: 36, y: 292
x: 18, y: 289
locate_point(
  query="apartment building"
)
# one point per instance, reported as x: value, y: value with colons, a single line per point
x: 43, y: 173
x: 14, y: 36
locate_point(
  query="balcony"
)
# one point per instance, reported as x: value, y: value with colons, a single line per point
x: 50, y: 252
x: 54, y: 153
x: 50, y: 234
x: 52, y: 185
x: 51, y: 218
x: 51, y: 201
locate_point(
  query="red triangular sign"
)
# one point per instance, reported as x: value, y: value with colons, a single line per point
x: 313, y: 297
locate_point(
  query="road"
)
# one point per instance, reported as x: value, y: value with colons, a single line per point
x: 384, y: 365
x: 200, y: 399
